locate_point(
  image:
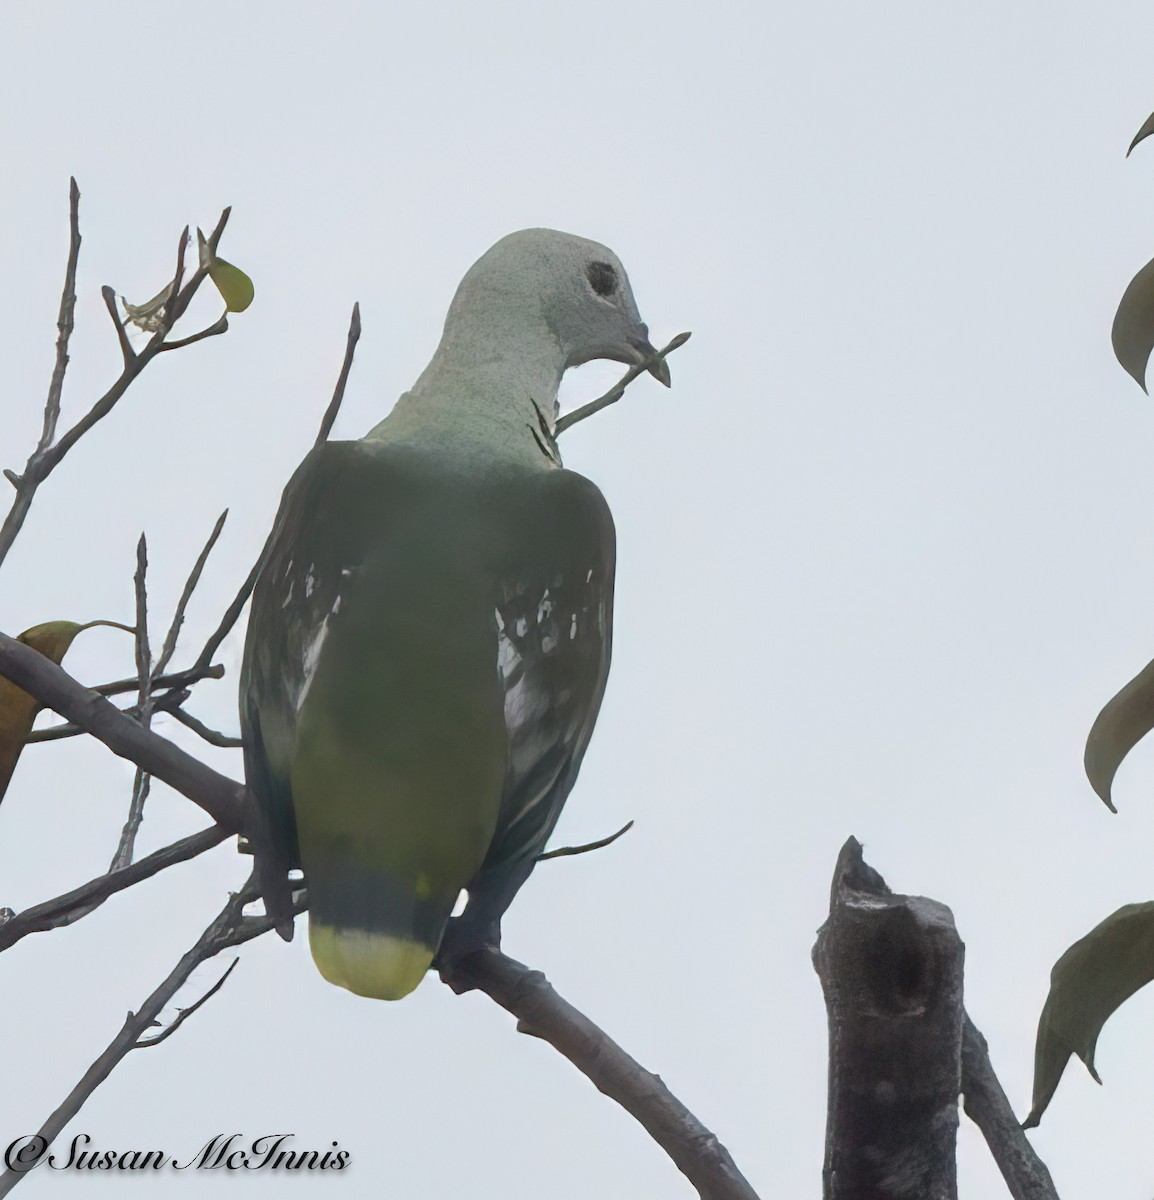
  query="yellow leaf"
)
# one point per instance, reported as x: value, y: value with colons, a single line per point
x: 17, y: 708
x: 234, y: 285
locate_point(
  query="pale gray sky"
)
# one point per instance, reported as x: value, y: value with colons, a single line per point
x: 885, y: 548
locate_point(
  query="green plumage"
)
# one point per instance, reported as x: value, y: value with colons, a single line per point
x: 426, y: 654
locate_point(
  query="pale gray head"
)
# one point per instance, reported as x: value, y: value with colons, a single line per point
x: 574, y: 288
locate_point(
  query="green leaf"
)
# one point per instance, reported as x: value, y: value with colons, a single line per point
x: 1118, y: 728
x: 1088, y: 983
x: 17, y: 708
x: 1142, y: 133
x: 1133, y: 332
x: 234, y: 285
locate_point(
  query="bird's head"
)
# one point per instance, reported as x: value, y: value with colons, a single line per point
x: 576, y: 287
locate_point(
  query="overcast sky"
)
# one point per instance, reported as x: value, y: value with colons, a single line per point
x: 884, y: 549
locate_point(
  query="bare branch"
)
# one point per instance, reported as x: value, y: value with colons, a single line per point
x: 166, y: 703
x: 69, y: 907
x: 218, y: 232
x: 47, y: 457
x: 219, y: 326
x: 126, y: 847
x: 65, y: 322
x: 566, y: 851
x: 542, y: 1013
x: 176, y: 679
x: 213, y: 736
x: 34, y: 470
x: 169, y: 647
x: 1026, y: 1175
x: 618, y: 390
x: 142, y: 783
x: 184, y: 1013
x: 222, y: 798
x: 334, y: 407
x: 143, y: 650
x: 127, y: 353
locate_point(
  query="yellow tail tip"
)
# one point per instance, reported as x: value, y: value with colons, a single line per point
x: 378, y: 965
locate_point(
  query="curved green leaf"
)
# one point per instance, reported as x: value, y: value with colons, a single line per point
x: 17, y: 708
x: 1118, y: 728
x: 1133, y: 332
x: 1142, y: 133
x: 235, y: 287
x: 1088, y: 983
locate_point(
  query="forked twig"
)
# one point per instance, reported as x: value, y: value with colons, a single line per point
x: 618, y: 389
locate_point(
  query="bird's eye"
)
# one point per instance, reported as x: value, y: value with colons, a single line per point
x: 602, y: 278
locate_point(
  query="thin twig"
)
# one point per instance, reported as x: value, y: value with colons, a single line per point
x: 175, y: 679
x: 34, y: 471
x: 143, y: 650
x: 126, y: 847
x: 169, y: 647
x: 1026, y: 1175
x: 231, y: 614
x: 69, y: 907
x: 183, y: 1014
x: 169, y: 315
x: 127, y: 353
x: 168, y: 702
x: 213, y: 736
x: 339, y: 392
x: 142, y: 783
x: 219, y: 326
x: 618, y: 390
x: 542, y: 1013
x: 566, y: 851
x: 65, y: 322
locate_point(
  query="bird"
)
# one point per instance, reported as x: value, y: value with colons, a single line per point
x: 430, y: 633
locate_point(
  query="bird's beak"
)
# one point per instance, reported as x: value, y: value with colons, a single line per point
x: 647, y: 356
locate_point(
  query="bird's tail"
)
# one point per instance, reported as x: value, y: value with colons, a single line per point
x: 372, y: 929
x: 382, y: 966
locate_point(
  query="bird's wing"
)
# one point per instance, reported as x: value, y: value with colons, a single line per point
x: 554, y: 616
x: 372, y: 703
x: 292, y: 599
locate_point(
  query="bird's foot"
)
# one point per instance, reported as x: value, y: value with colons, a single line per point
x: 461, y: 939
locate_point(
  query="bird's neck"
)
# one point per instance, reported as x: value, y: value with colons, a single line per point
x: 485, y: 385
